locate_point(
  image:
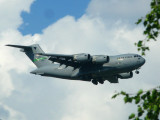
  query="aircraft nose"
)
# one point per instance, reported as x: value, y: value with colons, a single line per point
x: 143, y: 61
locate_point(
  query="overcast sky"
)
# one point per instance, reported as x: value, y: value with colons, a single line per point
x: 95, y: 27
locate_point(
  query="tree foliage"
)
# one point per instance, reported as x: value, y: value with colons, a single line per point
x: 147, y: 102
x: 151, y: 24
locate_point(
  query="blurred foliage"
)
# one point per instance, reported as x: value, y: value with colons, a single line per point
x: 151, y: 24
x: 148, y: 103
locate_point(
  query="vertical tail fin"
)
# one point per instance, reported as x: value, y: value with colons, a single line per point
x: 32, y: 52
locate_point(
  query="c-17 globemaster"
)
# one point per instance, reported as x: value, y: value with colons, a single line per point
x: 85, y: 67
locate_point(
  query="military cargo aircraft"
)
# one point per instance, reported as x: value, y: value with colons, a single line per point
x: 84, y: 67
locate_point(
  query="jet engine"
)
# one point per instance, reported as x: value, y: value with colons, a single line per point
x: 100, y: 59
x: 125, y: 75
x: 82, y: 57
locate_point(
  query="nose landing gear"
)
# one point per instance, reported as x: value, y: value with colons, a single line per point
x: 137, y: 72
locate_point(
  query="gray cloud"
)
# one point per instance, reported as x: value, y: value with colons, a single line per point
x: 6, y: 113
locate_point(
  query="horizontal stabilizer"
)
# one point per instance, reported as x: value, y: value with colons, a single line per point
x: 18, y: 46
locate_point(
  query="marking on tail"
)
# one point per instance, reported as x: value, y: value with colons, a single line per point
x: 38, y: 59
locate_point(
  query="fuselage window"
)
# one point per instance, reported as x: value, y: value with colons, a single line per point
x: 136, y: 56
x: 120, y: 58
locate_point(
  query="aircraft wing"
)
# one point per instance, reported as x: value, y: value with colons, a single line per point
x: 77, y: 60
x: 58, y: 55
x: 68, y: 60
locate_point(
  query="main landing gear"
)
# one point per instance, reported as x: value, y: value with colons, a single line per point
x: 101, y: 81
x: 95, y: 82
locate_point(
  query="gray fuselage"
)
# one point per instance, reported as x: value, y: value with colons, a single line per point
x: 85, y: 67
x: 118, y: 64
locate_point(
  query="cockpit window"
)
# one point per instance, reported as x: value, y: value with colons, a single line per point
x: 137, y: 56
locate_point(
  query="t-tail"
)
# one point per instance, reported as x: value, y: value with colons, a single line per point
x: 33, y: 52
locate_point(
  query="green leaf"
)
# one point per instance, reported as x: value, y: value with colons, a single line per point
x: 154, y: 94
x: 148, y: 29
x: 137, y: 100
x: 140, y: 113
x: 123, y: 93
x: 155, y: 34
x: 143, y: 48
x: 135, y: 44
x: 148, y: 93
x: 145, y: 104
x: 145, y: 23
x: 140, y: 92
x: 114, y: 96
x: 139, y: 109
x: 145, y: 32
x: 139, y: 21
x: 155, y: 108
x: 147, y: 48
x: 144, y: 96
x: 143, y: 53
x: 136, y: 118
x: 132, y: 116
x: 139, y: 43
x: 152, y: 3
x: 126, y: 99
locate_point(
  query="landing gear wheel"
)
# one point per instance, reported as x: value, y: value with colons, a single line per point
x: 94, y: 82
x: 137, y: 72
x: 101, y: 81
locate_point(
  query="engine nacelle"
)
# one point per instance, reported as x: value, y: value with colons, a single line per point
x: 125, y: 75
x: 100, y: 59
x: 82, y: 57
